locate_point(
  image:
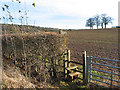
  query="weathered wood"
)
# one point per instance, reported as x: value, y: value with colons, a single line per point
x: 75, y: 62
x: 74, y: 74
x: 66, y: 62
x: 78, y: 71
x: 68, y: 68
x: 68, y: 58
x: 85, y: 68
x: 65, y: 65
x: 71, y: 67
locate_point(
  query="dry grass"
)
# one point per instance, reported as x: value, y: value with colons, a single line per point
x: 12, y: 78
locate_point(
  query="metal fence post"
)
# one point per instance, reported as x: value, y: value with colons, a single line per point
x: 111, y: 73
x: 85, y: 76
x: 87, y: 69
x: 90, y: 68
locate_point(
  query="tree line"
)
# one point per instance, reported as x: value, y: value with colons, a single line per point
x: 99, y: 20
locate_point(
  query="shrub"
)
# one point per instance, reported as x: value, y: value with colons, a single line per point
x: 34, y: 53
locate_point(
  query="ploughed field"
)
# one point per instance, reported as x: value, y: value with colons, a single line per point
x: 97, y: 43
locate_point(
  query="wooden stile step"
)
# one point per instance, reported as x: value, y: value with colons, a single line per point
x: 72, y: 67
x: 74, y: 74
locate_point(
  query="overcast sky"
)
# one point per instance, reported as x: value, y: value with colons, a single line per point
x: 68, y: 14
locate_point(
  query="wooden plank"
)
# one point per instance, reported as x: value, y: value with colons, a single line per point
x: 78, y: 71
x: 72, y: 67
x: 75, y: 62
x: 74, y: 74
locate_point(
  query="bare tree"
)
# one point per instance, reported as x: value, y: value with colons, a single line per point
x: 97, y: 20
x: 21, y: 19
x: 7, y: 8
x: 105, y: 20
x: 90, y: 23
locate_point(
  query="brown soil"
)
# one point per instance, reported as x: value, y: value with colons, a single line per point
x: 98, y: 43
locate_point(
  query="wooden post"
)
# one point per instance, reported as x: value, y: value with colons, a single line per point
x: 68, y: 58
x: 65, y: 64
x: 85, y: 68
